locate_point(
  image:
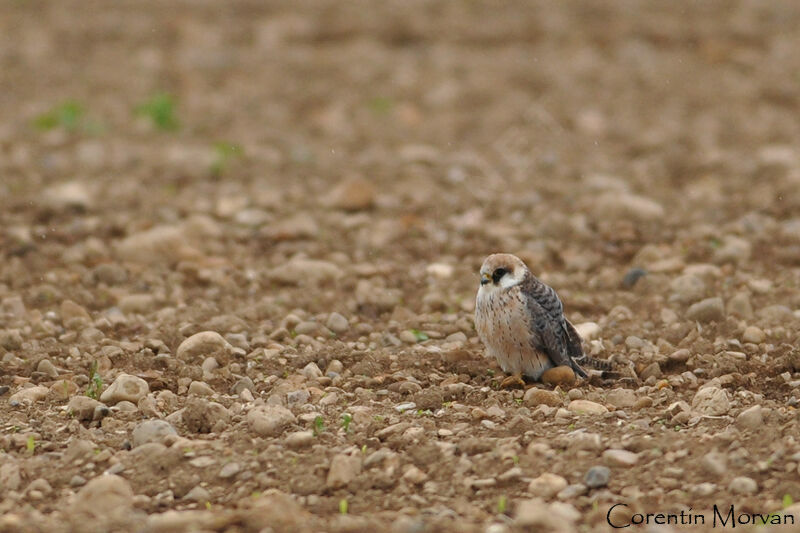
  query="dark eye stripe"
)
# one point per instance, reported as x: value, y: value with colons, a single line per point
x: 498, y: 274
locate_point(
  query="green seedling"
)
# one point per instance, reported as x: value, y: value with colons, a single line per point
x: 224, y: 153
x: 346, y: 419
x: 502, y: 505
x: 787, y: 501
x: 160, y: 109
x: 30, y: 445
x: 381, y: 105
x: 95, y: 382
x: 66, y: 115
x: 319, y: 425
x: 420, y: 335
x: 343, y: 506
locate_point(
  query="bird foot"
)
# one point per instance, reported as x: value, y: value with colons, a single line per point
x: 513, y: 381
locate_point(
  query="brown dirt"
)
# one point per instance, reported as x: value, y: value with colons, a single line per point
x: 396, y: 144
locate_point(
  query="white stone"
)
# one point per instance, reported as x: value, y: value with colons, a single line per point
x: 751, y: 418
x: 551, y: 517
x: 547, y: 485
x: 343, y: 470
x: 205, y: 343
x: 753, y: 334
x: 588, y: 330
x: 586, y: 407
x: 708, y: 310
x: 152, y: 431
x: 337, y: 323
x: 125, y: 387
x: 103, y: 495
x: 29, y: 395
x: 269, y: 420
x: 711, y: 401
x: 743, y: 485
x: 312, y: 371
x: 615, y: 457
x: 439, y: 270
x: 621, y: 398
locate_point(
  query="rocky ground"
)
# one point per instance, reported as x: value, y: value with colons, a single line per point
x: 239, y: 246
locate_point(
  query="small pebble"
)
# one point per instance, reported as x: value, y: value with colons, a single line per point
x: 401, y: 407
x: 560, y: 375
x: 597, y: 476
x: 586, y: 407
x: 229, y: 470
x: 743, y: 485
x: 337, y: 323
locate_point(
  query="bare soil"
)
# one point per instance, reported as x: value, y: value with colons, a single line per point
x: 362, y: 158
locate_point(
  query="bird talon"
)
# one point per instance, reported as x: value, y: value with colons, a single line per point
x: 513, y: 381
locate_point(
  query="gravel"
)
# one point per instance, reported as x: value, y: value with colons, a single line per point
x: 263, y: 317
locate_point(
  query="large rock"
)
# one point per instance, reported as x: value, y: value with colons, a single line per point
x: 708, y: 310
x: 353, y: 195
x: 152, y: 431
x: 168, y: 243
x: 560, y: 375
x: 203, y: 416
x: 10, y: 478
x: 83, y: 408
x: 74, y: 315
x: 621, y: 398
x: 344, y: 469
x: 538, y: 515
x: 535, y: 396
x: 29, y: 395
x: 687, y: 289
x: 68, y: 195
x: 588, y: 330
x: 597, y: 476
x: 617, y: 457
x: 547, y: 485
x: 751, y: 418
x: 586, y: 407
x: 711, y: 401
x: 103, y: 497
x: 269, y: 420
x: 125, y: 387
x: 202, y: 345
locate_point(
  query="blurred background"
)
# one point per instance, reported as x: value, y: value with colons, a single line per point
x: 573, y: 133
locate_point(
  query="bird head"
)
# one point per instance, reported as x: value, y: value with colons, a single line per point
x: 501, y: 271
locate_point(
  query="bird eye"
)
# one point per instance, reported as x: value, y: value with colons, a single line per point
x: 498, y: 274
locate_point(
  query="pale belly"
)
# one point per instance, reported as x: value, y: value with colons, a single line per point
x: 502, y: 324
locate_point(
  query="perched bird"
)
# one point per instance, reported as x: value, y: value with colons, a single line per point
x: 521, y: 322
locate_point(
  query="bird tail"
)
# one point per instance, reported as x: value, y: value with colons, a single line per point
x: 598, y: 364
x: 579, y: 357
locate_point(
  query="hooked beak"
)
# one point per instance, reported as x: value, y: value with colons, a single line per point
x: 485, y: 278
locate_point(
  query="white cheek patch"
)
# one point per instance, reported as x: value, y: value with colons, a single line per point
x: 508, y: 281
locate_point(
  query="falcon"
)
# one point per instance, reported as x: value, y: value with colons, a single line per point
x: 520, y: 320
